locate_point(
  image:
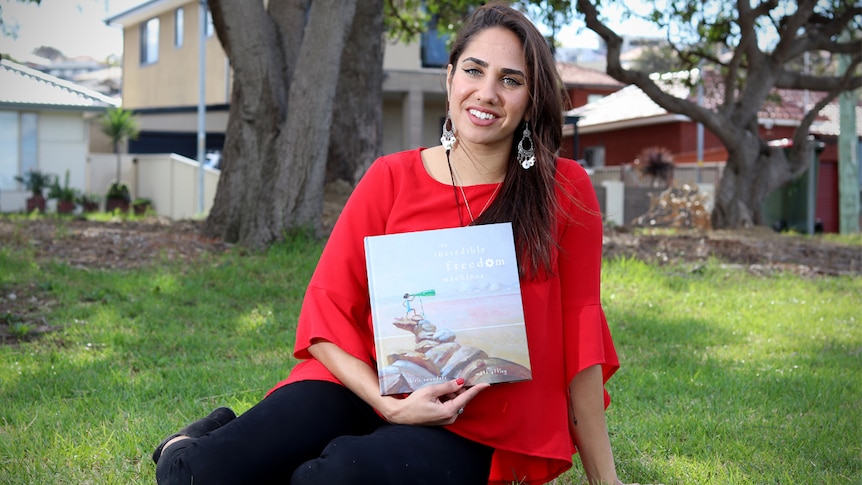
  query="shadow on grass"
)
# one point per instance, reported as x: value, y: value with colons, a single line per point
x: 714, y: 400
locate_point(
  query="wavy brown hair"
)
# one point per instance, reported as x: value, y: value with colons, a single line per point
x: 527, y: 197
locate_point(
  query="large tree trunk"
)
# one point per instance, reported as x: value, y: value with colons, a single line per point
x: 357, y: 128
x: 285, y: 78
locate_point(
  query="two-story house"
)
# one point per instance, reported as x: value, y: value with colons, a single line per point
x: 160, y: 81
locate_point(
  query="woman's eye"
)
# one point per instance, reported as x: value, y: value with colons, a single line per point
x: 511, y: 82
x: 472, y: 71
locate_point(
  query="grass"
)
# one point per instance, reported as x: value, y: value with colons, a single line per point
x: 727, y: 377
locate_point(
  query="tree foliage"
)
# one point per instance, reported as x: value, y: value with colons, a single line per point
x: 119, y: 125
x: 11, y: 30
x: 756, y: 49
x: 406, y: 19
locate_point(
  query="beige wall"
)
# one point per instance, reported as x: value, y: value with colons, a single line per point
x: 170, y: 181
x: 167, y: 82
x: 62, y: 145
x: 402, y: 56
x: 214, y: 121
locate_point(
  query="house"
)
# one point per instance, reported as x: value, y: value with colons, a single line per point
x: 583, y: 86
x: 614, y: 130
x: 161, y: 40
x: 160, y: 82
x: 44, y: 125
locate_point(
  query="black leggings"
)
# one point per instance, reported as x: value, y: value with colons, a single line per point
x: 316, y: 432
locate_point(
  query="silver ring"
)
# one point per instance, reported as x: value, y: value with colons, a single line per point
x: 460, y: 410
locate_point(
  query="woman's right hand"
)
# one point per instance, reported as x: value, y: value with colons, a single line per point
x: 434, y: 405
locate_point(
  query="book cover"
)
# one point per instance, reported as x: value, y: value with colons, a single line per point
x: 445, y: 304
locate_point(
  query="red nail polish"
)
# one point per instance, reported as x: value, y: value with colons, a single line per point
x: 459, y: 380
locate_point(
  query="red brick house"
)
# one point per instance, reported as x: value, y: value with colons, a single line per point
x: 612, y: 131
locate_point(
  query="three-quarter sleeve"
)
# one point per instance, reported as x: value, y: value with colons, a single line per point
x: 336, y: 306
x: 587, y: 338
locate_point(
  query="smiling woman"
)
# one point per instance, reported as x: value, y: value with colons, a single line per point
x: 327, y: 422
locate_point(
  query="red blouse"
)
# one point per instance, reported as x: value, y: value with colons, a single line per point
x: 526, y: 422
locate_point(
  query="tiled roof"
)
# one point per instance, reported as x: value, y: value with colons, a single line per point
x: 25, y: 87
x: 575, y: 75
x: 830, y: 124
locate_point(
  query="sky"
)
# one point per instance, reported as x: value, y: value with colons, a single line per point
x: 77, y: 27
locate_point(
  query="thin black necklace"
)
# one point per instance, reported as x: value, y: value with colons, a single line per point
x: 455, y: 190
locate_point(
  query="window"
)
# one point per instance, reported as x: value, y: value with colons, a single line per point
x: 178, y: 27
x: 594, y: 156
x: 29, y: 142
x: 210, y: 28
x: 150, y: 41
x: 433, y: 45
x: 19, y: 145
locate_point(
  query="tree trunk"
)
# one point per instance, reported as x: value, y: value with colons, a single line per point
x: 357, y: 128
x: 117, y: 151
x: 752, y: 172
x: 279, y: 125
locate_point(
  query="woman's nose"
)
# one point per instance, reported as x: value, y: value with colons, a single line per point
x: 487, y: 91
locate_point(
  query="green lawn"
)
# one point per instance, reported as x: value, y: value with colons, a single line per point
x: 727, y: 377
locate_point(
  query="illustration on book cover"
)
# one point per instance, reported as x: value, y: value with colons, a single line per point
x: 445, y: 304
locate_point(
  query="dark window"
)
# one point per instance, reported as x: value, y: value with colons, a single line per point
x: 434, y: 49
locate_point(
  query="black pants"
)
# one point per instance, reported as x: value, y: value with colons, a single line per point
x: 317, y: 432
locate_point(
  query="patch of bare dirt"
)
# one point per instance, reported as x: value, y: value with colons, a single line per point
x: 110, y: 245
x: 760, y: 250
x: 128, y: 244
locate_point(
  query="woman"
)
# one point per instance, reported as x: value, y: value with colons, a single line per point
x: 328, y: 423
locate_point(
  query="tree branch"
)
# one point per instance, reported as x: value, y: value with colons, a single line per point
x: 796, y: 80
x: 642, y: 80
x: 748, y: 36
x: 800, y: 136
x: 790, y: 25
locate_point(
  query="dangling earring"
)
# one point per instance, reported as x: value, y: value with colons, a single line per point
x: 526, y: 156
x: 448, y: 138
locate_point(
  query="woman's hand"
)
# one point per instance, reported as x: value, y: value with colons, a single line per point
x: 434, y: 405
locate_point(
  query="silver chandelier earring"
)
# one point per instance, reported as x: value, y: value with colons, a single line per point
x: 526, y: 156
x: 448, y: 139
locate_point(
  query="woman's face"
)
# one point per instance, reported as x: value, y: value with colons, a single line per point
x: 487, y: 89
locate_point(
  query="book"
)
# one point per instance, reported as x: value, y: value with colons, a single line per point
x: 446, y: 303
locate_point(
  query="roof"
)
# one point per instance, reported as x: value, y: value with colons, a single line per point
x: 630, y: 106
x: 29, y: 88
x: 145, y: 11
x: 576, y: 75
x: 626, y: 108
x: 830, y: 125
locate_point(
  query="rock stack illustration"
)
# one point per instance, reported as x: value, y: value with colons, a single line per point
x: 437, y: 357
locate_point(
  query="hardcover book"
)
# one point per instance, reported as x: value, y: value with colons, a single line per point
x: 445, y: 304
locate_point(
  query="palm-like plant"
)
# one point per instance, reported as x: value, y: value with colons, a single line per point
x: 657, y: 163
x: 120, y: 125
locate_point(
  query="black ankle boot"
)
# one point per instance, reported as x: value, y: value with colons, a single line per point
x: 215, y: 420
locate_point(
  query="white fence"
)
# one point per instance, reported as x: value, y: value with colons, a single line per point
x: 170, y: 181
x: 709, y: 173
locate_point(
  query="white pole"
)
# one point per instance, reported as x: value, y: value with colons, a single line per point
x: 202, y: 134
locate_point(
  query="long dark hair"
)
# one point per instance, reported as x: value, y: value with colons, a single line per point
x: 527, y: 197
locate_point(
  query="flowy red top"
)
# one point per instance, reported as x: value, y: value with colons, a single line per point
x: 525, y: 422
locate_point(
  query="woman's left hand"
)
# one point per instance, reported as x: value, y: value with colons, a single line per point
x: 434, y: 405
